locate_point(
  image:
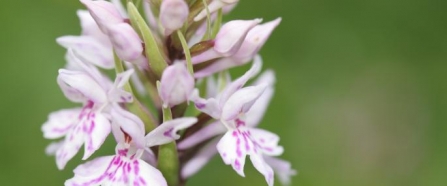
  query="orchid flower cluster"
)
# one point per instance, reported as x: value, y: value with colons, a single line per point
x: 173, y: 104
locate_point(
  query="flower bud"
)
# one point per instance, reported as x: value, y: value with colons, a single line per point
x: 250, y: 47
x: 230, y: 37
x: 176, y: 85
x: 255, y: 39
x: 104, y: 13
x: 228, y: 40
x: 126, y: 41
x: 173, y: 14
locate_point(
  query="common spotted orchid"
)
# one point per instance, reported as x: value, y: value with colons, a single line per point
x: 175, y: 52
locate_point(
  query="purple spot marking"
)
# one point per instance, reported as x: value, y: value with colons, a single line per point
x: 200, y: 105
x: 239, y: 123
x: 168, y: 133
x: 237, y: 165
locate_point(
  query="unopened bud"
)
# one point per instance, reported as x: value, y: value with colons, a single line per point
x: 176, y: 85
x: 173, y: 14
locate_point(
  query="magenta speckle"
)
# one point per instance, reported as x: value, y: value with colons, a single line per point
x: 168, y: 133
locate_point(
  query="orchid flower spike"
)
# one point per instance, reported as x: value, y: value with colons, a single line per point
x: 168, y: 45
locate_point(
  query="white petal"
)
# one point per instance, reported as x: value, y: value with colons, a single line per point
x: 93, y: 168
x: 88, y: 68
x: 199, y: 160
x: 240, y: 82
x: 167, y: 131
x: 233, y: 147
x: 128, y: 123
x: 72, y: 143
x: 257, y: 111
x: 212, y: 88
x: 117, y: 170
x: 260, y: 165
x: 208, y: 106
x: 203, y: 134
x: 90, y: 28
x: 52, y: 148
x: 60, y: 122
x: 283, y: 169
x: 266, y: 141
x: 91, y: 49
x: 81, y: 85
x: 117, y: 94
x: 241, y: 101
x: 217, y: 66
x: 97, y: 128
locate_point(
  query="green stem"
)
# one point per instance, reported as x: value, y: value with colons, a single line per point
x: 208, y: 21
x: 186, y: 51
x: 217, y: 23
x: 168, y: 159
x: 135, y: 107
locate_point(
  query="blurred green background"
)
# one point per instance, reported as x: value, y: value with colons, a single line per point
x: 361, y: 97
